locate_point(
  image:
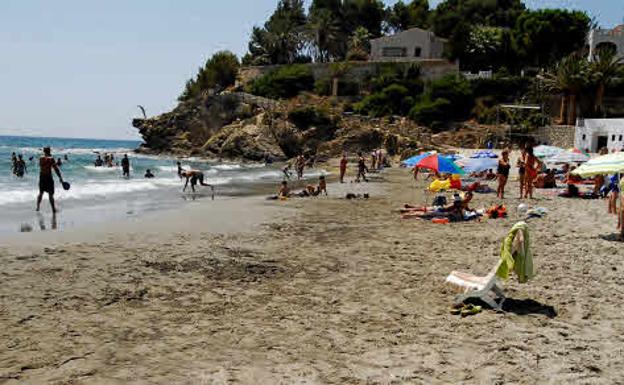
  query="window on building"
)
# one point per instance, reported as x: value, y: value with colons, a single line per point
x: 584, y: 136
x: 613, y: 138
x: 620, y: 138
x: 394, y: 52
x: 417, y: 52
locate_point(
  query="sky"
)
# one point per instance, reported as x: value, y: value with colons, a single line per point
x: 79, y: 68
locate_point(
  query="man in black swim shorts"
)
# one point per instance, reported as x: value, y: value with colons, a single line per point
x: 194, y: 176
x: 46, y: 181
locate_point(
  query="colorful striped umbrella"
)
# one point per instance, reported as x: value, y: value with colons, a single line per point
x: 411, y: 162
x: 602, y: 165
x: 439, y: 163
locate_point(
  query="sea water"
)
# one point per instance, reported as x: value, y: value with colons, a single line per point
x: 100, y: 193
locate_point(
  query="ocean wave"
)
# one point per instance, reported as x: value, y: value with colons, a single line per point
x: 103, y: 169
x: 90, y: 189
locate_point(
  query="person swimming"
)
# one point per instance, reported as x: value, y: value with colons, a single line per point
x: 148, y: 174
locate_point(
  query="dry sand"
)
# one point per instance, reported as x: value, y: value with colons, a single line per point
x: 317, y: 291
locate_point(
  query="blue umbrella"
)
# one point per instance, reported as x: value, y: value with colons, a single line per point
x: 478, y: 164
x: 484, y: 154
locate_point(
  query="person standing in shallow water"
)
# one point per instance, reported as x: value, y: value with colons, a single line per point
x: 46, y: 182
x: 362, y: 169
x: 125, y: 166
x: 20, y: 167
x: 343, y: 167
x: 13, y: 163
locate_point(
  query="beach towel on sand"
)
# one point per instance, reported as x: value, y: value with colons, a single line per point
x: 522, y: 260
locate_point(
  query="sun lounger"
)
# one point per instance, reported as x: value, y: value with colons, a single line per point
x: 485, y: 288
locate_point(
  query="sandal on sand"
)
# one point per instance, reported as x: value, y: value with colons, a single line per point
x: 470, y: 310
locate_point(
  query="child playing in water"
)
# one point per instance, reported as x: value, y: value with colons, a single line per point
x: 322, y: 186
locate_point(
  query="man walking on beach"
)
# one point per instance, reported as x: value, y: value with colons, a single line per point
x: 46, y: 181
x: 125, y: 166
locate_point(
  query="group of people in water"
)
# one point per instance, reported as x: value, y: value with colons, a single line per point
x: 109, y: 161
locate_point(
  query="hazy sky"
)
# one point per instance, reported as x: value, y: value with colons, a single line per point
x: 78, y: 68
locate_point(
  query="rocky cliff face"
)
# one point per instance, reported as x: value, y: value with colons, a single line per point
x: 247, y: 127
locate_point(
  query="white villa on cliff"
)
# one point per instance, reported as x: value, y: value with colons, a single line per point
x: 594, y: 134
x: 411, y: 45
x: 606, y: 38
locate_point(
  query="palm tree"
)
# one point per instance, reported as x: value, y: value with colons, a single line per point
x: 325, y: 34
x: 567, y: 78
x: 606, y: 66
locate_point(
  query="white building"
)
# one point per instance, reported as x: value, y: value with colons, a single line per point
x: 411, y: 45
x: 594, y: 134
x: 606, y: 39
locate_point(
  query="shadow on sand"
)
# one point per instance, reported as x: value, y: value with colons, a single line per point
x: 527, y: 307
x: 615, y: 237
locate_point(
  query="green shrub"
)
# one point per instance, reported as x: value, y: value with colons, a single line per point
x: 395, y: 99
x: 323, y: 87
x: 431, y: 113
x: 502, y: 88
x: 285, y: 82
x: 457, y: 91
x: 484, y: 110
x: 218, y: 73
x: 307, y: 117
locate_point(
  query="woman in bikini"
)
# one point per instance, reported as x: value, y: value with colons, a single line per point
x: 531, y: 167
x: 503, y: 174
x: 521, y: 170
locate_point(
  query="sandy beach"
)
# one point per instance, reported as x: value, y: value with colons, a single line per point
x: 311, y: 291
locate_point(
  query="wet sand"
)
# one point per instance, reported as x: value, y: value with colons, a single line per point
x: 314, y: 291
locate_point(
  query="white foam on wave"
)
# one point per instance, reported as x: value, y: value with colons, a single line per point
x: 90, y: 189
x: 227, y: 167
x: 105, y: 169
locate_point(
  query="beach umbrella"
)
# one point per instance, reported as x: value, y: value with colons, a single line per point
x: 439, y: 163
x: 411, y: 162
x: 577, y: 151
x: 602, y: 165
x: 453, y: 157
x: 478, y: 164
x: 568, y: 157
x: 484, y: 154
x: 544, y: 151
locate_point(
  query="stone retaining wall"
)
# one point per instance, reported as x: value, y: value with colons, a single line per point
x: 559, y: 136
x: 358, y: 71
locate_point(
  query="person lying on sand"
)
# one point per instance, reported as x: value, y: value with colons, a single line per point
x: 461, y: 204
x: 194, y: 176
x: 454, y: 211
